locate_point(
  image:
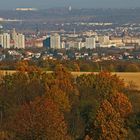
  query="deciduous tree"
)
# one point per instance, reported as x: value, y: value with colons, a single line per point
x: 41, y: 119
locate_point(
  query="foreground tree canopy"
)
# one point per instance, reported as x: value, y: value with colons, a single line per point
x: 40, y: 119
x: 58, y: 106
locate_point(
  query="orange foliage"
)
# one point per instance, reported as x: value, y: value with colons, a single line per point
x: 23, y: 66
x: 40, y: 119
x: 65, y: 81
x: 121, y: 103
x: 59, y: 97
x: 109, y: 123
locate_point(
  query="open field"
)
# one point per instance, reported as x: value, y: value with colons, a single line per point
x: 127, y: 77
x: 135, y: 77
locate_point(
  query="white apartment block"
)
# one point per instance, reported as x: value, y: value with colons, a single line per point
x: 55, y: 41
x: 19, y: 41
x: 5, y: 40
x: 90, y: 43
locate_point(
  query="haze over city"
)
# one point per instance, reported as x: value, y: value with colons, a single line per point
x: 43, y: 4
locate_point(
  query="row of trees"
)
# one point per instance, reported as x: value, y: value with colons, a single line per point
x: 57, y: 106
x: 78, y: 65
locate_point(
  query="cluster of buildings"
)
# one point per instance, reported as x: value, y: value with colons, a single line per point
x: 89, y: 40
x: 12, y: 40
x: 70, y: 41
x: 66, y: 40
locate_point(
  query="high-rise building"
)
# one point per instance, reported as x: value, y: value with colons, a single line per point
x: 1, y: 29
x: 63, y: 45
x: 90, y: 43
x: 19, y: 41
x: 5, y: 40
x: 55, y: 42
x: 46, y: 42
x: 1, y: 40
x: 13, y: 35
x: 104, y: 40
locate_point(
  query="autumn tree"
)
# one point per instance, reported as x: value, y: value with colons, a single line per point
x: 108, y: 124
x: 59, y: 97
x: 18, y: 89
x: 95, y: 89
x: 24, y: 66
x: 121, y: 104
x: 41, y: 119
x: 102, y: 85
x: 21, y: 87
x: 65, y: 81
x: 111, y: 117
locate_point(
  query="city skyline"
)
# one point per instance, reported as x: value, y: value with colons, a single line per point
x: 44, y: 4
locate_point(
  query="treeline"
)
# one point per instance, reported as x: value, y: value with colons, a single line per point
x: 39, y: 106
x: 78, y: 65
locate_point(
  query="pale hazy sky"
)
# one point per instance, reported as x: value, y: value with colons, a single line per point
x: 43, y: 4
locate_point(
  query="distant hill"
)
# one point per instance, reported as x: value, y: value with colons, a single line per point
x: 47, y: 19
x: 106, y: 15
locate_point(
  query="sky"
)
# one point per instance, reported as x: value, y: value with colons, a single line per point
x: 44, y: 4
